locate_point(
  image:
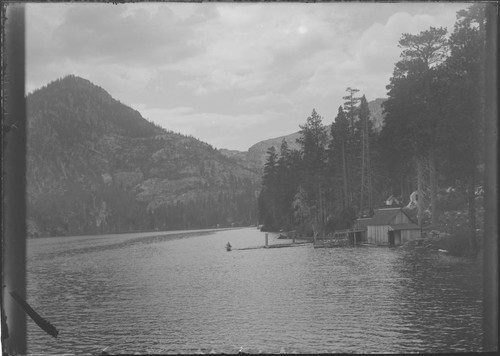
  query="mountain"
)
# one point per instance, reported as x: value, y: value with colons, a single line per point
x: 256, y: 155
x: 258, y: 152
x: 376, y: 113
x: 242, y: 158
x: 94, y: 165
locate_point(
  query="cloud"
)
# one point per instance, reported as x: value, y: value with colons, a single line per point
x: 230, y: 74
x: 220, y: 130
x: 109, y: 33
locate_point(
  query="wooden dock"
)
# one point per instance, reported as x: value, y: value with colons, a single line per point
x: 272, y: 246
x: 294, y: 243
x: 339, y: 239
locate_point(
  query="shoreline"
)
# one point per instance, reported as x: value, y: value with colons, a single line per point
x: 174, y: 234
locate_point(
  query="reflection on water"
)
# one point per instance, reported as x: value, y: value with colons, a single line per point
x: 157, y: 295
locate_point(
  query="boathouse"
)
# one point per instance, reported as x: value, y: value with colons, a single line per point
x: 390, y: 226
x: 358, y: 231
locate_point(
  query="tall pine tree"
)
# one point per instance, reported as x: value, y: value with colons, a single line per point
x: 313, y: 142
x: 463, y: 129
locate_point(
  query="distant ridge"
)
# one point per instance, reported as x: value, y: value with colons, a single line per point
x: 256, y: 154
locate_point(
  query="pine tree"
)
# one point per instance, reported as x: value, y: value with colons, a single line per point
x: 366, y: 194
x: 268, y: 194
x: 351, y: 105
x: 301, y: 208
x: 286, y: 185
x: 313, y: 141
x: 463, y: 128
x: 409, y: 110
x: 338, y: 155
x: 352, y: 141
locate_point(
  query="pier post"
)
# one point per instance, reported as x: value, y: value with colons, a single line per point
x: 267, y: 240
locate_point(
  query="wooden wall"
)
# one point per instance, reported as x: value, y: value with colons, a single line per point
x: 407, y: 235
x: 377, y: 234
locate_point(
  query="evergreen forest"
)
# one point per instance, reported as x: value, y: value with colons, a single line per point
x: 431, y: 142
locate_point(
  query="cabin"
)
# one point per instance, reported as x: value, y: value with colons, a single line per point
x: 390, y: 227
x: 358, y: 231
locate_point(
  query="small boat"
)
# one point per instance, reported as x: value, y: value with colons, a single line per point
x: 228, y: 247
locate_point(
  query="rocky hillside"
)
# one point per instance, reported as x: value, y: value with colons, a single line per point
x: 242, y: 158
x: 258, y: 152
x: 95, y: 165
x: 376, y: 113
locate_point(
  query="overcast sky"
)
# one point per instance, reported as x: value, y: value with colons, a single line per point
x: 228, y: 74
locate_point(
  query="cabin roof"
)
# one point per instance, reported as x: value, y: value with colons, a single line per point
x: 362, y: 223
x: 384, y: 216
x: 409, y: 226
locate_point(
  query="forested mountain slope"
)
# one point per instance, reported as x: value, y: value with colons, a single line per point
x: 95, y: 165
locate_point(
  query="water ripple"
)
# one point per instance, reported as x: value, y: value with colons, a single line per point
x: 161, y: 296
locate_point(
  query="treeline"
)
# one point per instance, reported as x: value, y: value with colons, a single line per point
x: 113, y: 209
x: 319, y: 186
x: 432, y: 138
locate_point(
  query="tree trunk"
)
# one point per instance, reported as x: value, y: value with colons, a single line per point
x: 320, y: 202
x: 420, y: 195
x: 434, y: 186
x: 344, y: 166
x: 369, y: 173
x: 361, y: 203
x: 471, y: 197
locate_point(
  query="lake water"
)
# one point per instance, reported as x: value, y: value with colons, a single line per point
x: 140, y: 293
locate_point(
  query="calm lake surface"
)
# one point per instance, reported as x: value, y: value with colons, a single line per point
x: 141, y: 293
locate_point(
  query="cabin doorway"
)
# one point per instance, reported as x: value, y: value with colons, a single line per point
x: 391, y: 237
x: 397, y: 237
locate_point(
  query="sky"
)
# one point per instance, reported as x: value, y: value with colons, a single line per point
x: 228, y: 74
